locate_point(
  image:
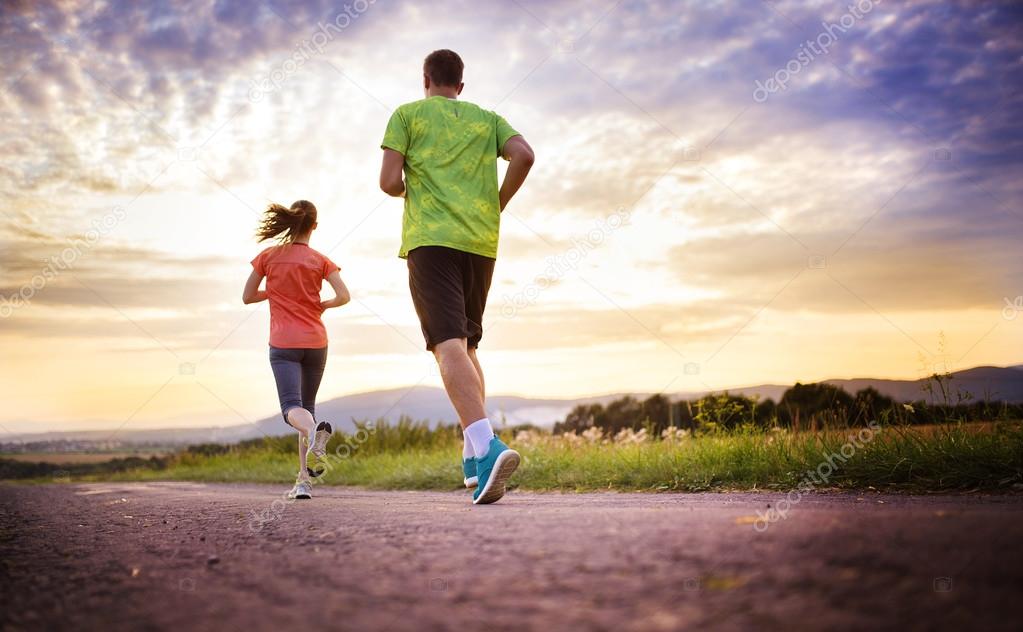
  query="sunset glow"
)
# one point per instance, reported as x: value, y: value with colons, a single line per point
x: 677, y: 233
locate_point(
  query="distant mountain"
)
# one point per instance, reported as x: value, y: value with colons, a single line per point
x: 431, y: 404
x: 110, y: 438
x: 761, y: 391
x: 989, y: 383
x: 423, y: 403
x: 982, y: 383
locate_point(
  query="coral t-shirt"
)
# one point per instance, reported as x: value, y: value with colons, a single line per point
x: 294, y: 274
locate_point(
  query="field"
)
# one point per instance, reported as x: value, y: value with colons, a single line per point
x: 954, y: 456
x: 64, y: 458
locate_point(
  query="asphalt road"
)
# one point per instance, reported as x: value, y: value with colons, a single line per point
x: 182, y: 556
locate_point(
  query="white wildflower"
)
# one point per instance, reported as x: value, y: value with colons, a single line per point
x: 673, y: 433
x: 593, y: 434
x: 572, y: 439
x: 629, y: 436
x: 526, y: 438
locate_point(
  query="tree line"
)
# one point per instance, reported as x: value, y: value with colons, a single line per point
x: 801, y: 407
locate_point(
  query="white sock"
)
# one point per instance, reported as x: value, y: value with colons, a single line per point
x: 480, y: 433
x: 467, y: 451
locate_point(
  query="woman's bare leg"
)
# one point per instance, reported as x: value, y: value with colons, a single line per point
x: 301, y: 420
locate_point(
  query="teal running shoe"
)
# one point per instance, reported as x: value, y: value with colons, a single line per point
x: 469, y: 470
x: 493, y: 472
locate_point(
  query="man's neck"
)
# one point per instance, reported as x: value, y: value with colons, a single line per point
x: 442, y: 91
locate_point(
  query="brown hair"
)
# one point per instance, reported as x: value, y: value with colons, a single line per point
x: 287, y: 224
x: 444, y: 67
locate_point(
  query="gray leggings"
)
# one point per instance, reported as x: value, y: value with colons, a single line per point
x: 298, y: 373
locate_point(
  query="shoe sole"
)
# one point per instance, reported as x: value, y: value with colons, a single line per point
x: 319, y: 445
x: 471, y: 482
x: 314, y: 455
x: 506, y: 464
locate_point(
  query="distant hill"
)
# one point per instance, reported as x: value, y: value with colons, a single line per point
x: 431, y: 404
x: 990, y: 383
x: 982, y: 383
x: 418, y: 402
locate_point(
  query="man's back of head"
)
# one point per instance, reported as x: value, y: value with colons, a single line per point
x: 442, y: 73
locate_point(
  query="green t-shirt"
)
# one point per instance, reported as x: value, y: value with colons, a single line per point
x: 451, y: 194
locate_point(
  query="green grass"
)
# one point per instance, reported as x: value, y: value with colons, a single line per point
x: 946, y: 458
x: 408, y: 456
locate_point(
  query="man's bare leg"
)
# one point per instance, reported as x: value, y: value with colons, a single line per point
x: 461, y: 377
x: 467, y: 449
x: 479, y: 371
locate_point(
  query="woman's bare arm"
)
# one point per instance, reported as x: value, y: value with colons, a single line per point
x: 252, y: 293
x: 341, y: 294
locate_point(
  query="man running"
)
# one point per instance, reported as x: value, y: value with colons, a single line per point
x: 448, y: 151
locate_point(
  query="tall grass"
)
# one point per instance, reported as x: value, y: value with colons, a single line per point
x: 954, y: 456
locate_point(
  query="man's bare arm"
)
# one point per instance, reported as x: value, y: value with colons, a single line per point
x: 519, y: 155
x: 390, y: 173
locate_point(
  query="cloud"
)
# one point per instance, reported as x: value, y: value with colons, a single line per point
x: 883, y: 270
x: 895, y: 157
x: 82, y: 271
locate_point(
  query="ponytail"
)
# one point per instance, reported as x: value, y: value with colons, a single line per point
x: 286, y: 224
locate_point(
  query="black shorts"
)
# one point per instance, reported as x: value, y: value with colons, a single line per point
x: 449, y: 290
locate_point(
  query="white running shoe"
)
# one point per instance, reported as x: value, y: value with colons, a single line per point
x: 301, y: 491
x: 318, y: 449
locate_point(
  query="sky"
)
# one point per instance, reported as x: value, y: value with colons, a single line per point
x: 724, y: 194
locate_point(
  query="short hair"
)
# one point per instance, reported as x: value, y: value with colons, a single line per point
x: 444, y: 67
